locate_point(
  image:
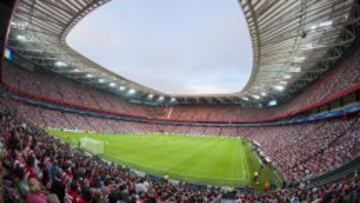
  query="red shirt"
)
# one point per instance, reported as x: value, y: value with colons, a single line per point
x: 30, y: 173
x: 81, y: 200
x: 71, y: 196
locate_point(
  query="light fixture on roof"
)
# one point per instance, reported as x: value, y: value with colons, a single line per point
x: 150, y: 96
x: 112, y: 84
x: 132, y: 91
x: 121, y: 88
x: 299, y: 59
x: 60, y: 64
x: 173, y: 99
x: 161, y: 98
x: 295, y: 69
x: 272, y: 103
x: 283, y: 82
x: 287, y: 77
x: 309, y: 46
x: 256, y: 96
x: 19, y: 25
x: 279, y: 87
x: 245, y: 98
x: 101, y: 80
x: 89, y: 75
x: 322, y: 25
x: 326, y: 23
x: 21, y: 38
x: 313, y: 27
x: 264, y: 94
x: 76, y: 70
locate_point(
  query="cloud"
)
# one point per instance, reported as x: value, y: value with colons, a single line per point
x: 177, y: 47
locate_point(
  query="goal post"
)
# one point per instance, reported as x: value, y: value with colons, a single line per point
x: 91, y: 145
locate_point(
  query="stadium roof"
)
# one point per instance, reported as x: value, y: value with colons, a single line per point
x: 294, y: 41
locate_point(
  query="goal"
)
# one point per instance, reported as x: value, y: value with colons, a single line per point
x: 91, y: 145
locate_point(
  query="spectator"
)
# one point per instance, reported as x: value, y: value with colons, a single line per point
x: 35, y: 194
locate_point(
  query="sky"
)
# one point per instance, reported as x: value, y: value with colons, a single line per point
x: 178, y: 47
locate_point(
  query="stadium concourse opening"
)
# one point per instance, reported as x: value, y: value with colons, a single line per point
x: 167, y: 45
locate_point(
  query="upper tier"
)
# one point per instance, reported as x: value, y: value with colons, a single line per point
x: 47, y: 86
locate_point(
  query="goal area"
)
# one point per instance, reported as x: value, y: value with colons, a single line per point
x: 91, y: 145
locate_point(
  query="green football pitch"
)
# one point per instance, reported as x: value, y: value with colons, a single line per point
x: 220, y: 161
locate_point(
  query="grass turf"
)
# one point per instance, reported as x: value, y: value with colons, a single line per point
x: 218, y: 161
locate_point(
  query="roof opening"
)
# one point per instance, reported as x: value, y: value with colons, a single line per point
x: 181, y: 47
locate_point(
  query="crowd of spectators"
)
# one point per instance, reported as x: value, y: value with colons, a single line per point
x: 38, y: 168
x: 299, y: 151
x: 305, y: 150
x: 43, y: 84
x: 48, y: 85
x: 35, y: 167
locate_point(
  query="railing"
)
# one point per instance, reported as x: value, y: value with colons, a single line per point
x: 350, y: 168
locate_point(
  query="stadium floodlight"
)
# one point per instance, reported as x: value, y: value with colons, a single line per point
x: 101, y: 80
x: 21, y: 38
x: 76, y: 70
x: 322, y: 25
x: 272, y: 103
x: 112, y: 84
x: 313, y: 27
x: 173, y: 99
x: 309, y: 46
x: 287, y: 77
x: 60, y: 64
x: 245, y: 98
x: 295, y: 69
x: 132, y: 91
x: 122, y: 88
x: 279, y: 87
x: 89, y: 75
x: 299, y: 59
x: 326, y: 23
x: 19, y: 25
x: 150, y: 96
x: 256, y: 96
x: 264, y: 94
x: 161, y: 98
x: 283, y: 82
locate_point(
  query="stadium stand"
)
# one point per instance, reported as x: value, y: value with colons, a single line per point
x: 299, y: 151
x: 36, y: 167
x: 342, y: 79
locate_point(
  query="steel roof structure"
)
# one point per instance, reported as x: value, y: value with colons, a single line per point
x: 294, y: 42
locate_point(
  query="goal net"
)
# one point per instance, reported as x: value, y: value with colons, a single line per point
x: 92, y: 145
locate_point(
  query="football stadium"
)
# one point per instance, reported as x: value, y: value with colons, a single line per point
x: 142, y: 101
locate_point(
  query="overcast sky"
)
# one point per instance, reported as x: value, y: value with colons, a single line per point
x: 174, y: 46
